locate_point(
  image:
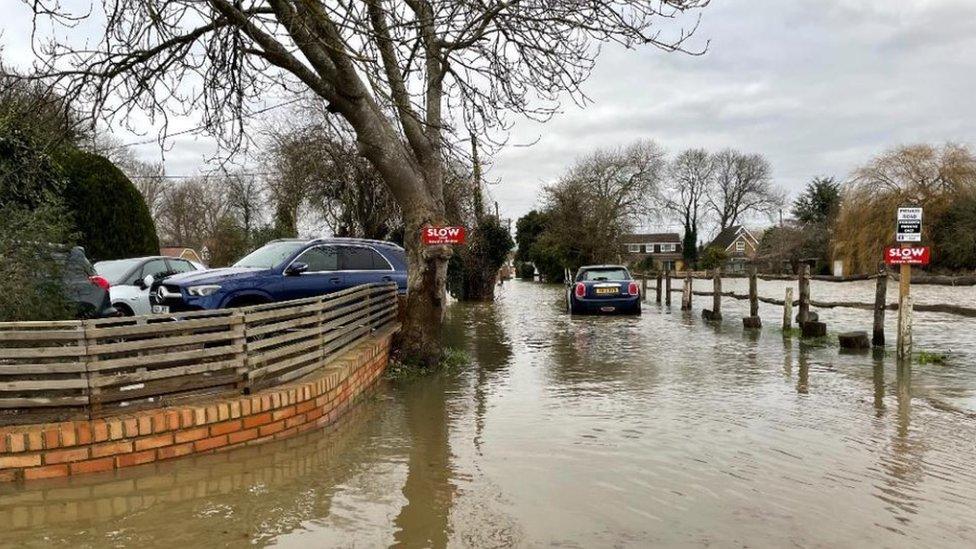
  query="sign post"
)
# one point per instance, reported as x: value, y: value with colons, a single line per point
x: 908, y: 230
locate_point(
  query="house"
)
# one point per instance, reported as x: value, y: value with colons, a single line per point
x: 179, y: 251
x: 663, y: 250
x: 740, y: 245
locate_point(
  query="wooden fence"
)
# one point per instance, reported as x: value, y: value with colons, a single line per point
x: 53, y: 371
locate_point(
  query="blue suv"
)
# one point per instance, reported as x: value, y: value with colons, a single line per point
x: 283, y: 270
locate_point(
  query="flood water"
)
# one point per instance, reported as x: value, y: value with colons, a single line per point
x: 657, y: 430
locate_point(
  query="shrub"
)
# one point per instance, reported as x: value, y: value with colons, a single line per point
x: 110, y: 215
x: 712, y: 258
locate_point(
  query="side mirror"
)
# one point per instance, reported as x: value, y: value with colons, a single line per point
x: 296, y: 269
x: 147, y: 282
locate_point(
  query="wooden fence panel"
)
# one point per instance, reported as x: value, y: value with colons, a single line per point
x: 42, y: 372
x: 148, y: 361
x: 286, y: 341
x: 59, y: 370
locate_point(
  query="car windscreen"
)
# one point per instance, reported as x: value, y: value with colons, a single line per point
x: 613, y: 273
x: 270, y: 255
x: 114, y: 271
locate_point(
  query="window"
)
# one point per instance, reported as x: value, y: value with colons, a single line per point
x: 649, y: 248
x: 180, y: 266
x: 740, y: 246
x: 320, y: 258
x: 609, y: 273
x: 154, y: 267
x: 357, y: 258
x: 270, y: 255
x: 634, y: 248
x: 670, y: 247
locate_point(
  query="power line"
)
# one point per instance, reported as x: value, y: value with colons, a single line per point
x: 203, y: 127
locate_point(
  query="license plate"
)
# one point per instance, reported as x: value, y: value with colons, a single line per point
x: 607, y: 309
x: 603, y: 291
x: 160, y: 309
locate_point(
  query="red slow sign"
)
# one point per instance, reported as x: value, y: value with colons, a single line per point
x: 442, y: 235
x: 907, y: 256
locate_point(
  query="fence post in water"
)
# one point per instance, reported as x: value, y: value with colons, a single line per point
x: 658, y: 289
x: 716, y: 312
x: 804, y: 294
x: 753, y: 320
x: 788, y: 309
x: 717, y: 298
x: 905, y: 327
x: 667, y: 288
x: 880, y: 301
x: 643, y: 295
x: 686, y: 293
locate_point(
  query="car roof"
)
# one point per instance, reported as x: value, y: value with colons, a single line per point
x: 341, y: 240
x: 601, y: 267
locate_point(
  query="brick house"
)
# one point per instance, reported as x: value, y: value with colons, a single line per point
x: 741, y: 245
x: 663, y: 248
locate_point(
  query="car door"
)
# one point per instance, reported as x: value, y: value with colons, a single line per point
x: 364, y: 265
x: 321, y: 277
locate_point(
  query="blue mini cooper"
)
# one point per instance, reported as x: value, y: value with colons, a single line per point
x: 283, y: 270
x: 604, y: 289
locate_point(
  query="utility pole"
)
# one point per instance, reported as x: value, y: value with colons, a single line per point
x: 479, y: 207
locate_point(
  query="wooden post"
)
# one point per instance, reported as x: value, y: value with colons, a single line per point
x: 686, y: 293
x: 667, y: 288
x: 880, y: 301
x: 788, y: 309
x: 905, y: 326
x: 643, y: 295
x: 717, y: 296
x: 753, y: 292
x: 804, y: 284
x: 658, y: 289
x: 905, y: 310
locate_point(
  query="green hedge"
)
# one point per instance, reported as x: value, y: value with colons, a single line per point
x: 111, y: 216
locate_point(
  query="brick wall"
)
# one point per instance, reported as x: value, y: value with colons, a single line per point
x: 75, y: 447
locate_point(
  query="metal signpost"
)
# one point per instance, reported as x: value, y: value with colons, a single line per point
x: 908, y: 230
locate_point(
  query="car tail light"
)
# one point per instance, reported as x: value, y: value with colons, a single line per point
x: 632, y: 289
x: 580, y: 290
x: 99, y: 281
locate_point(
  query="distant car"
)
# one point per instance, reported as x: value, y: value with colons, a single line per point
x: 283, y: 270
x: 131, y: 279
x: 604, y: 289
x: 83, y: 287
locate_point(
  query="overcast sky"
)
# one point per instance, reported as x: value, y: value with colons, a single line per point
x: 818, y: 86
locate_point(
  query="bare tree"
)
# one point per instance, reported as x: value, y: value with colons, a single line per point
x: 404, y: 75
x: 601, y: 197
x: 245, y: 196
x: 743, y: 185
x: 690, y: 177
x: 192, y: 211
x: 315, y: 162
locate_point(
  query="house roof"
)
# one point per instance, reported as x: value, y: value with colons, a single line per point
x: 180, y: 251
x: 650, y: 238
x: 730, y: 235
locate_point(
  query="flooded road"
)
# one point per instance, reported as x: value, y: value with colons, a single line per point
x: 588, y: 432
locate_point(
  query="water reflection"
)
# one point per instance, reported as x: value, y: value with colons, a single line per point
x: 428, y: 489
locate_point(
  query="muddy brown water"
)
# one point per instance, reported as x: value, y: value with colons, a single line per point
x: 590, y: 432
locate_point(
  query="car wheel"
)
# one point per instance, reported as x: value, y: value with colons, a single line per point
x: 123, y: 309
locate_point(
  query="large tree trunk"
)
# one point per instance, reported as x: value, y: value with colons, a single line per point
x: 419, y: 340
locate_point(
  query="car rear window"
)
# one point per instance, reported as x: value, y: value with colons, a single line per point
x: 358, y: 258
x: 592, y: 275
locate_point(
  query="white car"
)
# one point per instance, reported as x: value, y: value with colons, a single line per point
x: 130, y: 279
